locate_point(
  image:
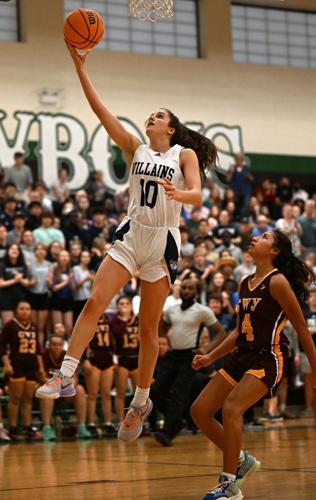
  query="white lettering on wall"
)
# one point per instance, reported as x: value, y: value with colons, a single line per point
x: 63, y: 138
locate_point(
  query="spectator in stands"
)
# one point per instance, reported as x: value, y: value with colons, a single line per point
x: 227, y: 321
x: 3, y: 240
x: 289, y: 226
x: 240, y: 180
x: 284, y: 191
x: 99, y: 373
x: 60, y: 281
x: 34, y: 213
x: 46, y: 233
x: 228, y: 245
x: 247, y: 267
x: 53, y: 251
x: 76, y: 228
x: 14, y: 281
x: 52, y: 359
x: 298, y: 193
x: 9, y: 209
x: 245, y: 228
x: 122, y: 200
x: 187, y: 248
x: 19, y: 348
x: 262, y: 226
x: 307, y: 222
x: 202, y: 231
x: 98, y: 223
x: 174, y: 298
x: 44, y: 198
x: 27, y: 247
x: 38, y: 292
x: 21, y: 175
x: 60, y: 191
x: 225, y: 226
x: 82, y: 283
x: 15, y: 235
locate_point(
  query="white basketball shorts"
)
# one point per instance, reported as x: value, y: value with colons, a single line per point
x: 152, y: 251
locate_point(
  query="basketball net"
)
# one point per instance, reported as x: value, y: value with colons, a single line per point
x: 151, y: 10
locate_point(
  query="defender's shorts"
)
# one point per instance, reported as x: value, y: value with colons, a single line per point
x: 102, y: 362
x: 24, y: 370
x: 262, y: 363
x: 153, y: 251
x: 128, y: 362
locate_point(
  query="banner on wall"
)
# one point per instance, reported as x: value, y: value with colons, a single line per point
x: 62, y: 138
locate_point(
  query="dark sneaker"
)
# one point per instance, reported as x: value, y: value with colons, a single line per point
x: 163, y: 438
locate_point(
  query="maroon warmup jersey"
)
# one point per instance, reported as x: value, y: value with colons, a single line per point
x: 101, y: 346
x: 21, y: 341
x: 125, y: 335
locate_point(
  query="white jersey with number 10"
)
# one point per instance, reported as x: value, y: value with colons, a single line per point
x: 148, y: 203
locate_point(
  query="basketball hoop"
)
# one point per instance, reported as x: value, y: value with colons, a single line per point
x: 151, y: 10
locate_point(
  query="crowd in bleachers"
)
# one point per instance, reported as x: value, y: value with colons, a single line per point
x: 52, y: 242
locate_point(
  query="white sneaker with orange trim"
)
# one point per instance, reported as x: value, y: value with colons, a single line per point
x: 58, y: 386
x: 132, y: 425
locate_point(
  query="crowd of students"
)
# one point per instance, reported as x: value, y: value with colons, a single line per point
x: 51, y: 244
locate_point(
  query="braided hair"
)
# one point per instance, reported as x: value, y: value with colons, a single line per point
x: 204, y: 148
x: 298, y: 274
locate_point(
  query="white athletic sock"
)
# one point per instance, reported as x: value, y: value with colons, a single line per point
x: 140, y: 397
x: 232, y: 477
x: 69, y: 366
x: 282, y: 407
x: 241, y: 456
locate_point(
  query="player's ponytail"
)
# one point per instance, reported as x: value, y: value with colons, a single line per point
x: 298, y: 274
x: 204, y: 148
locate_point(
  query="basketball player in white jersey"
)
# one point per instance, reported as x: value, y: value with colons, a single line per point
x: 163, y: 176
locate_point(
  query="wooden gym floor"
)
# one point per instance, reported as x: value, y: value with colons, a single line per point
x: 144, y: 470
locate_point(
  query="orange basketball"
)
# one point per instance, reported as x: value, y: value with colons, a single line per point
x: 83, y: 28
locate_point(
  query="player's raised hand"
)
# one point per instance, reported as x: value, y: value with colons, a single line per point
x: 200, y: 361
x: 78, y: 59
x: 169, y: 188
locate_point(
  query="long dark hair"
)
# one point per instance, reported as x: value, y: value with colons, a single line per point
x: 204, y: 148
x: 298, y: 274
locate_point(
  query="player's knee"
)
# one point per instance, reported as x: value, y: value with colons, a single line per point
x: 92, y: 396
x: 15, y: 400
x: 230, y: 409
x: 95, y: 303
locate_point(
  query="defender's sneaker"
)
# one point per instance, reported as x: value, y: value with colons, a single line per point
x: 225, y: 489
x: 245, y: 467
x: 56, y: 387
x: 132, y: 425
x: 48, y: 433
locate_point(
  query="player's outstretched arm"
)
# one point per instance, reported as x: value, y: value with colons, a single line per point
x: 124, y: 139
x: 282, y: 292
x: 227, y: 346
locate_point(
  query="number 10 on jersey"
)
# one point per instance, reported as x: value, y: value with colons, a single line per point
x: 149, y: 193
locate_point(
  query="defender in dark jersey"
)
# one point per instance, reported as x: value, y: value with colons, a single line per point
x: 125, y: 330
x: 99, y: 373
x: 276, y: 292
x: 22, y: 361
